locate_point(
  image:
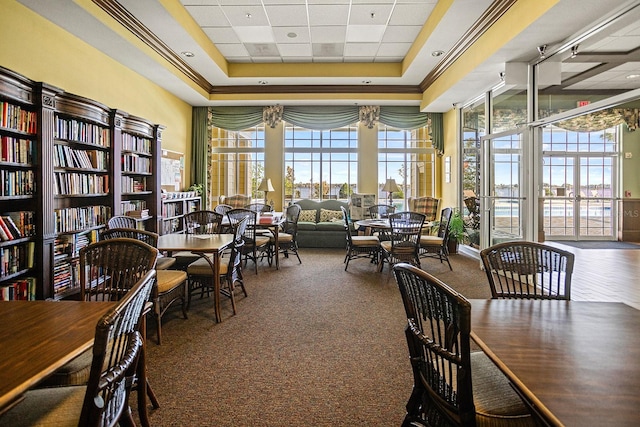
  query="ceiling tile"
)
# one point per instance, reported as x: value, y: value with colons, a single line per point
x: 328, y: 14
x: 410, y: 14
x: 362, y: 14
x: 328, y: 34
x: 364, y: 33
x: 361, y: 49
x: 262, y: 49
x: 295, y: 50
x: 401, y: 33
x: 221, y: 35
x: 292, y: 16
x: 246, y: 15
x: 255, y: 34
x: 328, y: 49
x: 282, y: 35
x: 232, y: 50
x: 208, y: 16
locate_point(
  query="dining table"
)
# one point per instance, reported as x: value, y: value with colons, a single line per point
x: 38, y: 337
x: 207, y: 246
x: 575, y: 363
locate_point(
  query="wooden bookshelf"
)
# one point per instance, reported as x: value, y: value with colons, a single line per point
x: 67, y: 163
x: 174, y: 206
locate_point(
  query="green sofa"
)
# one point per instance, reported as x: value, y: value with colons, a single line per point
x: 323, y: 228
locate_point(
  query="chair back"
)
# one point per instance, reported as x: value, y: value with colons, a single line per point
x: 110, y: 268
x: 437, y: 333
x: 290, y: 225
x: 121, y: 221
x: 523, y: 269
x: 203, y: 222
x: 406, y: 228
x: 234, y: 268
x: 443, y: 226
x: 381, y: 211
x: 237, y: 215
x: 115, y: 352
x: 222, y: 209
x: 347, y: 226
x: 428, y: 206
x: 259, y: 207
x: 149, y: 237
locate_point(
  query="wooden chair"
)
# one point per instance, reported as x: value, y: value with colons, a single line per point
x: 288, y: 237
x: 197, y: 222
x: 259, y: 207
x: 171, y: 285
x: 359, y: 246
x: 404, y: 242
x: 522, y: 269
x: 104, y: 400
x: 222, y: 208
x: 201, y: 271
x: 253, y: 243
x: 122, y: 221
x: 381, y: 211
x: 436, y: 246
x: 437, y: 333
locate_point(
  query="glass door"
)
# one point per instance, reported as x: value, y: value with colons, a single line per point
x: 579, y: 202
x: 504, y: 191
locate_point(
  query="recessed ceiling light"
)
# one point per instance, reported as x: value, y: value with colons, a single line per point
x: 292, y: 35
x: 437, y: 53
x: 366, y: 82
x: 248, y: 15
x: 633, y: 76
x: 262, y: 82
x: 188, y: 54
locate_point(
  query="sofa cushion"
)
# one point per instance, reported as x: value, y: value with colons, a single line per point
x: 307, y: 215
x: 327, y: 215
x: 330, y: 226
x: 306, y: 226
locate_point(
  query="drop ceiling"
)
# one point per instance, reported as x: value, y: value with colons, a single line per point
x: 261, y: 52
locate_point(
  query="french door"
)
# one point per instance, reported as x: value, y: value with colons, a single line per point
x: 504, y: 192
x: 579, y: 200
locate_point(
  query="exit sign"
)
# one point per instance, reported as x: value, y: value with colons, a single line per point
x: 583, y: 103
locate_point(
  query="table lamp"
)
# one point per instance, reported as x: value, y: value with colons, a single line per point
x: 390, y: 186
x: 266, y: 186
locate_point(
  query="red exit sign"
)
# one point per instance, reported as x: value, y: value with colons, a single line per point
x: 583, y: 103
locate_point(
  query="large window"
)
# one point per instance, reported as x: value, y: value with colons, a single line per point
x: 237, y: 162
x: 320, y: 164
x: 408, y: 158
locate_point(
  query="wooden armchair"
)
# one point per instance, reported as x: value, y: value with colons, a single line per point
x: 451, y: 385
x: 404, y: 242
x: 104, y: 401
x: 359, y: 246
x: 522, y: 269
x: 436, y: 246
x: 122, y: 221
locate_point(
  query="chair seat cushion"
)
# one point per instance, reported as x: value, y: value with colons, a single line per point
x: 365, y: 240
x: 56, y: 406
x: 202, y: 267
x: 261, y: 241
x: 169, y: 279
x: 492, y: 393
x: 431, y: 240
x: 164, y: 262
x: 75, y: 372
x: 282, y: 238
x: 399, y: 249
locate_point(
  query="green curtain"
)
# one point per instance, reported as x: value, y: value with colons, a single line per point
x: 199, y: 150
x: 437, y: 132
x: 236, y: 118
x: 321, y: 117
x: 403, y: 117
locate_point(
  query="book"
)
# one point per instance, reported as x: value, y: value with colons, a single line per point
x: 5, y: 234
x: 13, y: 228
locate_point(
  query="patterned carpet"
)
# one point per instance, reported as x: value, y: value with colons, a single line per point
x: 312, y: 345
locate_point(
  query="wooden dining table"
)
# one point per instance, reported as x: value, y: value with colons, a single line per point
x: 38, y: 337
x: 576, y: 363
x: 202, y: 245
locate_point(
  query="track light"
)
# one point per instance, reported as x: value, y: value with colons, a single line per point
x: 574, y: 51
x: 541, y: 50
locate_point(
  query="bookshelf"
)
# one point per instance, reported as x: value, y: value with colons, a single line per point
x: 174, y: 206
x: 64, y: 163
x: 18, y: 201
x: 137, y: 145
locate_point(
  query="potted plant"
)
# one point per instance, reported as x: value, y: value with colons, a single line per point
x: 456, y: 231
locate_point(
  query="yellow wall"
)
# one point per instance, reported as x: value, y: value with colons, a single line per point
x: 451, y: 149
x: 42, y: 51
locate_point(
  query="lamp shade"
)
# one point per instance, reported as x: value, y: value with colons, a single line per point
x: 390, y: 186
x: 265, y: 185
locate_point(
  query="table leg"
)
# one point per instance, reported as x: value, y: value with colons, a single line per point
x: 277, y: 247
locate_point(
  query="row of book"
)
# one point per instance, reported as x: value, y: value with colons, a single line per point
x: 17, y: 183
x: 139, y: 213
x: 65, y: 276
x: 16, y: 258
x: 132, y: 185
x: 81, y: 218
x: 9, y: 230
x: 16, y: 150
x: 76, y: 130
x: 134, y: 163
x: 67, y: 157
x: 23, y: 289
x: 71, y: 183
x: 15, y: 117
x: 133, y: 205
x: 136, y: 143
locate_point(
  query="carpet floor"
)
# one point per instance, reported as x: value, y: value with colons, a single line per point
x: 312, y: 345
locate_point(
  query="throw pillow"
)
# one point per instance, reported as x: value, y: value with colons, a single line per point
x: 307, y: 215
x: 327, y: 215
